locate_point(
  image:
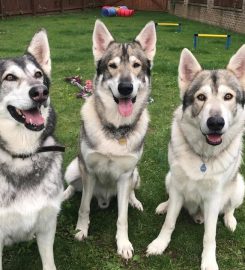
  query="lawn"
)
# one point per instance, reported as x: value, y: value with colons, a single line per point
x: 70, y: 41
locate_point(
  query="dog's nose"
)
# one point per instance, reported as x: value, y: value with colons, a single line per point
x: 125, y: 88
x: 39, y: 93
x: 215, y: 123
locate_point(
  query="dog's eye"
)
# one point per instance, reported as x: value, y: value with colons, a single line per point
x: 113, y: 65
x: 10, y: 78
x: 38, y: 74
x: 201, y: 97
x: 228, y: 96
x: 136, y: 65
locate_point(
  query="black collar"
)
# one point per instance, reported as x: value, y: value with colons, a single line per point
x: 51, y: 148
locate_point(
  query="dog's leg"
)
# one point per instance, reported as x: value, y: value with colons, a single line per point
x: 230, y: 220
x: 162, y: 208
x: 124, y: 247
x: 211, y: 212
x: 134, y: 202
x: 84, y: 210
x: 68, y: 193
x: 175, y: 204
x: 235, y: 200
x: 73, y: 178
x: 1, y: 255
x: 45, y: 242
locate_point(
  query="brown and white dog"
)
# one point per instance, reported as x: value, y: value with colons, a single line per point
x: 205, y: 151
x: 114, y: 125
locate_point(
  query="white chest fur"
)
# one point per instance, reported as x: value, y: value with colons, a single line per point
x: 109, y: 166
x: 197, y: 177
x: 21, y: 220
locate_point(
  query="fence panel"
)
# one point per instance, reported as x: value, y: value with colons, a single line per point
x: 140, y: 4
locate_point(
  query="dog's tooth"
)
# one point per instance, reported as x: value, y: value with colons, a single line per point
x: 30, y: 121
x: 18, y: 111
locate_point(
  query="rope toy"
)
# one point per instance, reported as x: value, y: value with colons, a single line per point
x: 85, y: 90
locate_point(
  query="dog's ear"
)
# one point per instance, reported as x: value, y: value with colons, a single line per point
x: 188, y: 69
x: 147, y: 39
x: 101, y: 40
x: 237, y: 65
x: 39, y: 48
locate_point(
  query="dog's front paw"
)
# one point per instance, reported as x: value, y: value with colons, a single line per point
x: 125, y: 249
x: 136, y: 204
x: 156, y: 247
x: 230, y: 222
x: 162, y: 208
x: 209, y: 265
x: 47, y: 267
x: 81, y: 235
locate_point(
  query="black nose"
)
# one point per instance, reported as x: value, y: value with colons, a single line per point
x: 125, y: 88
x: 215, y: 123
x: 39, y: 93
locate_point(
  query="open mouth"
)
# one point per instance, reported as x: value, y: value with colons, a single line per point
x: 214, y: 139
x: 32, y: 118
x: 125, y: 105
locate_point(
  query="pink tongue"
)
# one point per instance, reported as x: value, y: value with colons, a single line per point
x: 125, y: 107
x: 215, y: 138
x: 33, y: 117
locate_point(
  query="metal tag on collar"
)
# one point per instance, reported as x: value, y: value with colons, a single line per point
x: 122, y: 140
x: 203, y: 168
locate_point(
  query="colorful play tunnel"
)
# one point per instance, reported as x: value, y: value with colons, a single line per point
x: 123, y: 11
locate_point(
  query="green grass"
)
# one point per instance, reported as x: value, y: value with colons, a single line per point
x: 70, y: 41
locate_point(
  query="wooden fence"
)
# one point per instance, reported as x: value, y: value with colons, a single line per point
x: 21, y: 7
x: 157, y: 5
x: 35, y: 7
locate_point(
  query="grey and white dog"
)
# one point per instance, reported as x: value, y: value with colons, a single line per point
x: 114, y: 124
x: 31, y: 185
x: 205, y: 151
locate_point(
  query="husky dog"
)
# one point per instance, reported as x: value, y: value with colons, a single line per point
x: 31, y: 188
x: 205, y: 151
x: 114, y: 124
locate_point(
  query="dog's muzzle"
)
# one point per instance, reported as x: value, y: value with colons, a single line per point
x: 125, y: 101
x: 215, y: 125
x: 32, y: 118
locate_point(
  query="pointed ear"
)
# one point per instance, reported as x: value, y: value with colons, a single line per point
x: 147, y: 39
x: 39, y: 48
x: 101, y: 39
x: 188, y: 69
x: 237, y: 65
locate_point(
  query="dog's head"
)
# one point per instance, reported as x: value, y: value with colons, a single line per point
x: 24, y: 85
x: 123, y: 69
x: 213, y: 99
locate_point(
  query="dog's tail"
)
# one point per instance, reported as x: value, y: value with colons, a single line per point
x: 73, y: 179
